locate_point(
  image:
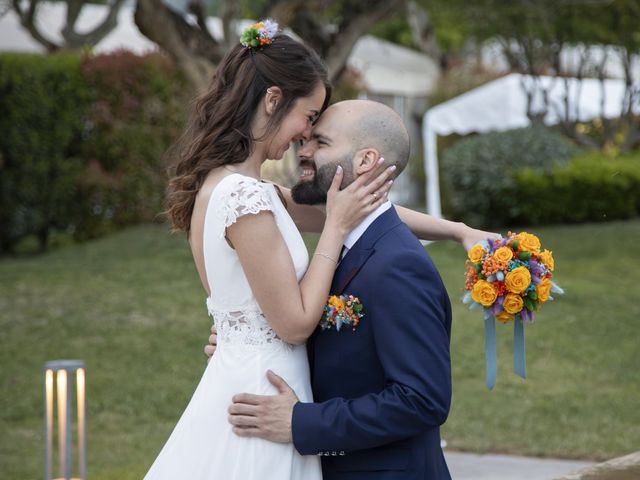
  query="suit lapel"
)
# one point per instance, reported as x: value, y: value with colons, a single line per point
x: 358, y: 255
x: 348, y: 267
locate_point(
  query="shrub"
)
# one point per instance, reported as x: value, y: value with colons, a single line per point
x: 478, y: 173
x: 139, y: 110
x: 82, y: 142
x: 43, y: 105
x: 591, y: 188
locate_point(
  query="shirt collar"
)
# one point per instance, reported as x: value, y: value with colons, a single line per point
x: 357, y: 232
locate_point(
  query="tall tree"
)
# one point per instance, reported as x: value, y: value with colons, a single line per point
x: 332, y: 27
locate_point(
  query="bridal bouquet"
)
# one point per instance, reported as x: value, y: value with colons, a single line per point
x: 510, y: 279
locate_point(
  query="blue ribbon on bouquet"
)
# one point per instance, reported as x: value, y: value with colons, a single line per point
x: 490, y: 350
x: 519, y: 366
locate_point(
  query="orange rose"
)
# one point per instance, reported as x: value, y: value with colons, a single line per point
x: 484, y: 293
x: 476, y: 253
x: 518, y: 280
x: 504, y: 317
x: 543, y: 290
x: 528, y: 243
x: 546, y: 257
x: 503, y: 254
x: 335, y: 302
x: 512, y: 303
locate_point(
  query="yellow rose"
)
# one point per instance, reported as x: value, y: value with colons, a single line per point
x: 546, y: 257
x: 484, y: 293
x: 512, y: 303
x: 518, y: 280
x: 503, y: 254
x: 504, y: 316
x: 528, y: 243
x: 476, y: 253
x: 543, y: 290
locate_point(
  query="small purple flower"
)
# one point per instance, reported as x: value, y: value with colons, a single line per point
x: 270, y: 28
x: 527, y: 316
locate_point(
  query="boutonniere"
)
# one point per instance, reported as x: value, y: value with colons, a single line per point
x: 342, y: 310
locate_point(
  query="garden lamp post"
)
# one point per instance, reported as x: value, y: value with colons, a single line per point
x: 58, y: 385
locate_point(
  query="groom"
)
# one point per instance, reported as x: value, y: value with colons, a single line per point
x: 383, y: 389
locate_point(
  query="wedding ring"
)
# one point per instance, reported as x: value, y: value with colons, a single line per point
x: 375, y: 196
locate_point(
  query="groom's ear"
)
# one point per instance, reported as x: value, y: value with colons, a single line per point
x: 272, y: 98
x: 366, y: 160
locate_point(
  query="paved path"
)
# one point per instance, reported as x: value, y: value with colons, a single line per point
x: 471, y: 466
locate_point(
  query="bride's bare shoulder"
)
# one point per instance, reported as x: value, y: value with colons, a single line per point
x: 204, y: 194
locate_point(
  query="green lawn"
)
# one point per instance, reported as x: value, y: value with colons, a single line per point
x: 132, y: 307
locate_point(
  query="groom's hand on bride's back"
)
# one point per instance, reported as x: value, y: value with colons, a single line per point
x: 264, y: 416
x: 210, y: 349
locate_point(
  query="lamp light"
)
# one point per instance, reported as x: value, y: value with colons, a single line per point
x: 58, y: 391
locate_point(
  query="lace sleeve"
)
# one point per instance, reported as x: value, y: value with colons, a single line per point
x: 246, y: 196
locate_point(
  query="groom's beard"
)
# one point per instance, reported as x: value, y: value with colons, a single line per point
x: 314, y: 192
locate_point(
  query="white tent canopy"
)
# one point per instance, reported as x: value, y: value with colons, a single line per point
x: 502, y: 105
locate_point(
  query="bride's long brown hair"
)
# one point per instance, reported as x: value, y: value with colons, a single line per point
x: 219, y: 128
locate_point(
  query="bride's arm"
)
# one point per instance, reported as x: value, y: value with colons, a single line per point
x: 427, y: 227
x: 311, y: 219
x: 293, y: 310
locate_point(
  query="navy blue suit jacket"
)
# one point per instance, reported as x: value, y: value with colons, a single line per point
x: 382, y: 391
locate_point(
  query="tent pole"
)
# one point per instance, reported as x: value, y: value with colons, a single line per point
x: 431, y: 170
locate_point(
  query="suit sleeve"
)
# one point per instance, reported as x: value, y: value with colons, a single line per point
x: 411, y: 322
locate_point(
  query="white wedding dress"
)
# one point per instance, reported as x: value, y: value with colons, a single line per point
x: 202, y: 445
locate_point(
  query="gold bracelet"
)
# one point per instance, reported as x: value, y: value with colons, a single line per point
x: 326, y: 256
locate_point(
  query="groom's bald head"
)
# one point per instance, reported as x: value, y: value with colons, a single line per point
x: 371, y: 124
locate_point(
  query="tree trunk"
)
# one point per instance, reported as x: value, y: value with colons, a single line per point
x: 357, y: 18
x: 185, y: 43
x: 75, y: 40
x: 352, y: 29
x: 422, y: 30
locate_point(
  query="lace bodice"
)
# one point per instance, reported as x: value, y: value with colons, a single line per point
x: 236, y: 313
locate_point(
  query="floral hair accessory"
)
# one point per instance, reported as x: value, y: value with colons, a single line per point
x: 510, y: 279
x: 259, y: 34
x: 342, y: 310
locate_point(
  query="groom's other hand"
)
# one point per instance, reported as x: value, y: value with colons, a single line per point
x: 210, y: 349
x: 264, y: 416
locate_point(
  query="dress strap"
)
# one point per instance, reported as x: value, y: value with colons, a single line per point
x: 245, y: 196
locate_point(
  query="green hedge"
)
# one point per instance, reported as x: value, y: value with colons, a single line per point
x: 478, y: 173
x: 139, y: 110
x: 82, y: 140
x: 534, y: 176
x: 591, y: 188
x: 43, y: 101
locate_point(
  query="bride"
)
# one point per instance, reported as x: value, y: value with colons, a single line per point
x: 264, y: 292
